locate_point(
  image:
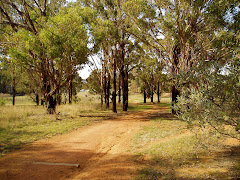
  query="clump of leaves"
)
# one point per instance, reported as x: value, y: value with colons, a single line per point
x: 211, y: 98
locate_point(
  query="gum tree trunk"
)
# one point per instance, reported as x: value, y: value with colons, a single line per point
x: 14, y: 90
x: 37, y: 99
x: 158, y: 92
x: 144, y: 95
x: 105, y: 85
x: 51, y: 101
x: 175, y: 91
x: 70, y: 91
x: 108, y: 91
x: 119, y: 89
x: 114, y: 100
x: 123, y: 77
x: 175, y: 94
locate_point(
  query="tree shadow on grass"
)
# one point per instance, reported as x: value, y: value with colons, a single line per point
x: 11, y: 140
x: 162, y: 116
x: 220, y: 165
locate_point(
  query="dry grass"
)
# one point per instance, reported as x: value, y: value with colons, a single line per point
x: 168, y: 150
x: 26, y: 122
x: 138, y: 98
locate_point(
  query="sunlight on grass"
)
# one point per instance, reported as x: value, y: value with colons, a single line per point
x: 138, y: 107
x: 23, y: 123
x: 166, y: 149
x: 138, y: 98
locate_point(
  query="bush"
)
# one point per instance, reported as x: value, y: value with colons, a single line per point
x: 2, y: 102
x: 212, y: 98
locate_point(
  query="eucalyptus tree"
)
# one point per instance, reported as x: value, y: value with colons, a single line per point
x: 26, y: 19
x: 180, y: 31
x: 49, y: 48
x: 150, y: 74
x: 104, y: 43
x: 212, y: 96
x: 114, y: 41
x: 65, y: 38
x: 199, y: 41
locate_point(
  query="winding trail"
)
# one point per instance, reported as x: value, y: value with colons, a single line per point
x: 100, y: 149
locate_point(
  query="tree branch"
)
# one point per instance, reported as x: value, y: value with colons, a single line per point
x: 8, y: 18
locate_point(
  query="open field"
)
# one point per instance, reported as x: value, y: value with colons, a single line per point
x: 145, y: 143
x: 25, y: 122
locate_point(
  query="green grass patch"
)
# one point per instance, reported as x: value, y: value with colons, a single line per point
x: 159, y: 130
x: 6, y: 99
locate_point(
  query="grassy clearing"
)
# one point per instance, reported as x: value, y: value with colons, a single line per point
x: 26, y: 122
x: 168, y: 150
x: 138, y: 98
x: 6, y: 99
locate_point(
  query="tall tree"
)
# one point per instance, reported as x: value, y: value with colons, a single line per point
x: 49, y: 48
x: 210, y: 95
x: 114, y: 41
x: 176, y: 30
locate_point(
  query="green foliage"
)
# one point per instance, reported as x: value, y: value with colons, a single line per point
x: 65, y: 37
x: 149, y: 74
x: 2, y: 102
x: 212, y: 98
x: 94, y: 82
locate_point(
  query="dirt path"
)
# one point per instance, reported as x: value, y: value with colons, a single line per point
x: 101, y: 150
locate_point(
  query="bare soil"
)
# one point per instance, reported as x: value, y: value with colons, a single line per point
x: 101, y: 150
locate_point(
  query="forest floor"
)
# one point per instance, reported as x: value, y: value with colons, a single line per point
x: 109, y: 149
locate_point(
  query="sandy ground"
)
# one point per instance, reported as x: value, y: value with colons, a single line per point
x: 101, y: 150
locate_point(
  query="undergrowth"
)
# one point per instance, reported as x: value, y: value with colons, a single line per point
x: 166, y: 149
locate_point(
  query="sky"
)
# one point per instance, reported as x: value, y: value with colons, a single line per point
x: 94, y: 62
x: 85, y: 72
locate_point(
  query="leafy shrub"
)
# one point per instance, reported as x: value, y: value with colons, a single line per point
x: 211, y: 98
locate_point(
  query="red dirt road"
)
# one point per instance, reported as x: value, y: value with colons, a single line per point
x: 101, y: 150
